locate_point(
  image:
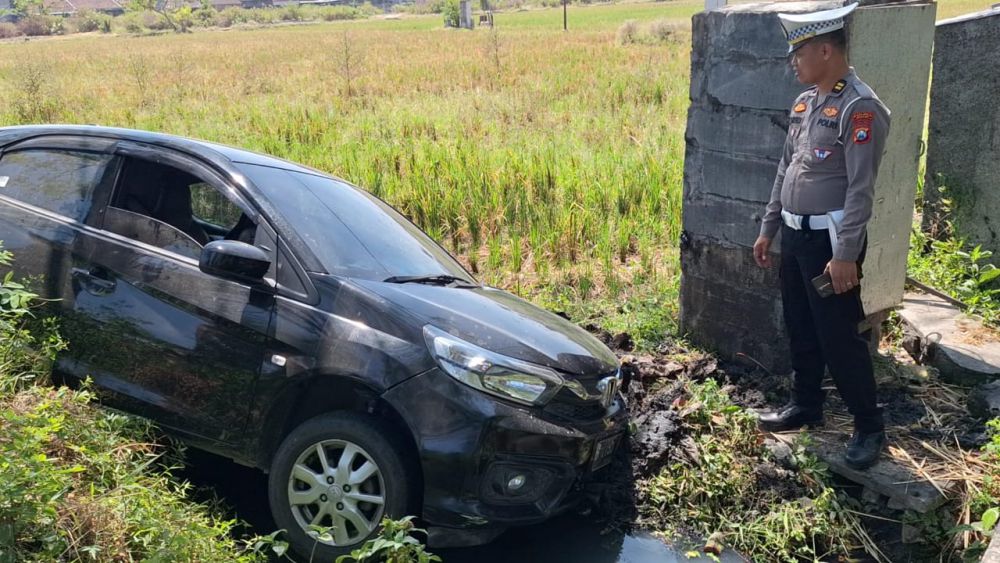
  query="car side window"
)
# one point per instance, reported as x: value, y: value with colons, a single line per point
x: 172, y: 209
x: 61, y: 181
x: 214, y: 210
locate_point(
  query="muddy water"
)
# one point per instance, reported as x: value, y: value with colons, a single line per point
x: 572, y: 539
x: 567, y: 539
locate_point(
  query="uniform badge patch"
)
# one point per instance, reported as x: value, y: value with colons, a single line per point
x: 800, y: 107
x: 822, y: 154
x: 831, y: 112
x: 862, y: 123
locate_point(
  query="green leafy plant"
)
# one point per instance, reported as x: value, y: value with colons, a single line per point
x: 269, y: 543
x: 723, y: 488
x: 394, y: 544
x: 964, y: 273
x: 450, y: 12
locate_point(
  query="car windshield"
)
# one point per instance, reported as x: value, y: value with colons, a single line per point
x: 351, y: 232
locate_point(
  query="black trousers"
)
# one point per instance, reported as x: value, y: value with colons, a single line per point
x: 824, y: 332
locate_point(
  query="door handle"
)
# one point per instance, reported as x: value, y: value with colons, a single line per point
x: 95, y: 280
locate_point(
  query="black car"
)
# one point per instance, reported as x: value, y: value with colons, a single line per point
x: 281, y: 317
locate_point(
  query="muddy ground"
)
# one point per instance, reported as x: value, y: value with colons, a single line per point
x: 655, y: 382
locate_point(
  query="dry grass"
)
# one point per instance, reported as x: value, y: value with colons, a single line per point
x: 518, y: 152
x: 531, y: 153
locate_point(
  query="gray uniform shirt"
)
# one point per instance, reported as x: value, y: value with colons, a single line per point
x: 830, y: 161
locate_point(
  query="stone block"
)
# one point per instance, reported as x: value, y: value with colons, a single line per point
x: 745, y: 178
x: 740, y: 131
x: 901, y: 483
x: 911, y: 534
x: 748, y: 28
x: 984, y: 401
x: 721, y: 295
x: 752, y: 83
x: 731, y: 221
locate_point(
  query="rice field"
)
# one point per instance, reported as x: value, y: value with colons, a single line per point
x: 551, y: 162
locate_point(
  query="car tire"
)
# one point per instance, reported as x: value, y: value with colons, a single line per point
x: 304, y: 489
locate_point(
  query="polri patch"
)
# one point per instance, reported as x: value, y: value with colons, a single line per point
x: 800, y: 107
x: 831, y: 123
x: 822, y: 154
x: 831, y: 112
x: 862, y: 123
x: 839, y: 86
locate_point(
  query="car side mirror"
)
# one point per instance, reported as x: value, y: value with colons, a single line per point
x: 234, y: 260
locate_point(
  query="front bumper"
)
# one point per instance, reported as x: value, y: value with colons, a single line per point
x: 471, y: 445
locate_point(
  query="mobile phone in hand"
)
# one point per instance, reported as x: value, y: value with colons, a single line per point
x: 824, y: 283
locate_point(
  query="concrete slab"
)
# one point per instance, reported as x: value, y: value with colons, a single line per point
x: 903, y: 484
x: 992, y: 554
x: 963, y: 350
x: 905, y: 487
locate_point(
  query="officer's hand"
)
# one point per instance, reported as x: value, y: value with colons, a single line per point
x: 844, y: 274
x: 760, y: 249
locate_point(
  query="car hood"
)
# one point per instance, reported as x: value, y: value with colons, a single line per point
x: 503, y: 323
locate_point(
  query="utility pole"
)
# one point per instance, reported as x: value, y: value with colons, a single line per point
x: 565, y: 2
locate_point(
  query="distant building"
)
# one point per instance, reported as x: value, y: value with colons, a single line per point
x: 70, y: 7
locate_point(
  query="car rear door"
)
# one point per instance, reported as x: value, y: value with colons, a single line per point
x: 52, y: 195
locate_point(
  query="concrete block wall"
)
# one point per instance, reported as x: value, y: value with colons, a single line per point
x: 741, y: 91
x: 963, y: 151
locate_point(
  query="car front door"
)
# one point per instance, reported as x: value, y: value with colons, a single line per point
x: 174, y: 344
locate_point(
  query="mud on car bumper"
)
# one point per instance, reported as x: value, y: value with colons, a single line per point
x: 489, y: 465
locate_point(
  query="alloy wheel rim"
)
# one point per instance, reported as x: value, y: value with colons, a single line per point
x: 335, y: 486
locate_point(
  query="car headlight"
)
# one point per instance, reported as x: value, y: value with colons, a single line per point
x: 492, y: 373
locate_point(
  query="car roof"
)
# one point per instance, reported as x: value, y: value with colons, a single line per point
x: 217, y: 153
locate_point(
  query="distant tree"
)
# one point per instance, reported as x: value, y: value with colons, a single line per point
x: 450, y: 11
x: 158, y: 6
x: 27, y: 7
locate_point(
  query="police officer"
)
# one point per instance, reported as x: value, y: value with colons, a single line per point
x: 822, y: 201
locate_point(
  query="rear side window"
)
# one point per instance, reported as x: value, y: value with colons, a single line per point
x: 59, y: 181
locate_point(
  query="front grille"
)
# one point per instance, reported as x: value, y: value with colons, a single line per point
x: 577, y: 412
x: 568, y: 406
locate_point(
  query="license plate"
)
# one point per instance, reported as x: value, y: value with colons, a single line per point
x: 603, y: 450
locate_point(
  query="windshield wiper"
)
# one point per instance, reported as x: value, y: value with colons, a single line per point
x: 437, y: 279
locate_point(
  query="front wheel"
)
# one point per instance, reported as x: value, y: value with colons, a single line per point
x: 340, y: 473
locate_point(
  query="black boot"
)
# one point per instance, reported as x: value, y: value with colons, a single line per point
x: 790, y: 417
x: 864, y: 448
